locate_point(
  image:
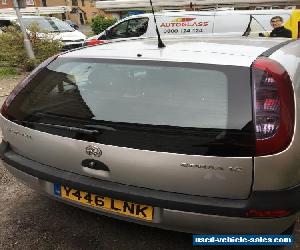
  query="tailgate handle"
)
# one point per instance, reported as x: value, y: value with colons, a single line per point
x: 94, y: 164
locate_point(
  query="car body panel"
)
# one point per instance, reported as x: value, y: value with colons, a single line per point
x: 284, y: 171
x: 227, y: 22
x: 154, y: 170
x: 168, y: 172
x: 223, y: 51
x: 70, y: 37
x: 175, y: 219
x: 73, y: 38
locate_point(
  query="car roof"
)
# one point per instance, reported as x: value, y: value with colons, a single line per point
x: 210, y: 13
x: 209, y: 50
x: 13, y: 17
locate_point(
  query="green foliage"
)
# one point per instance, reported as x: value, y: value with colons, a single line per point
x: 7, y: 71
x: 44, y: 46
x: 13, y: 53
x: 101, y: 23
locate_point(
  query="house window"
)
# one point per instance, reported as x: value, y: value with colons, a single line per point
x: 4, y: 1
x: 44, y: 3
x: 82, y: 3
x: 29, y: 2
x: 74, y: 2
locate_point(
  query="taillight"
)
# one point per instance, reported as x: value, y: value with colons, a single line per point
x: 93, y: 42
x: 277, y: 213
x: 274, y: 108
x: 23, y: 84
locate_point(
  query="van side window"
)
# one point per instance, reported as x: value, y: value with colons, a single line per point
x: 130, y: 28
x: 257, y: 28
x: 137, y: 27
x: 118, y: 31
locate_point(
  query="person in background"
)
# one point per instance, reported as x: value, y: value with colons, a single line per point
x: 278, y: 29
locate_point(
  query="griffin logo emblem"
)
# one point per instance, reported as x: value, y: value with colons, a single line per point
x: 93, y: 151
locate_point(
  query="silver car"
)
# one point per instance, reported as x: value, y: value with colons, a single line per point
x: 199, y: 136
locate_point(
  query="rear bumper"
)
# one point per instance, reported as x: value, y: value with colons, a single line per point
x: 172, y: 211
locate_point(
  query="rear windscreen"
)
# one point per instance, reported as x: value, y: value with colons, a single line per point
x: 162, y: 106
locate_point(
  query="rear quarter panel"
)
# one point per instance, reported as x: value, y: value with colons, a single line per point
x: 282, y: 170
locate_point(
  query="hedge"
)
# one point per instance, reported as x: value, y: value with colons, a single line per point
x: 13, y: 53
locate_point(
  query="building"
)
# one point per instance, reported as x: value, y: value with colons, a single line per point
x: 34, y: 7
x: 79, y: 11
x: 30, y: 3
x: 121, y: 8
x: 82, y: 11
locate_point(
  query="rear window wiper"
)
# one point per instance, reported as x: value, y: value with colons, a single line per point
x: 88, y: 127
x: 87, y: 131
x: 99, y: 127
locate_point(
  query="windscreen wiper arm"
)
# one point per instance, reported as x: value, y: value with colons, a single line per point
x: 89, y: 127
x: 87, y: 131
x: 99, y: 127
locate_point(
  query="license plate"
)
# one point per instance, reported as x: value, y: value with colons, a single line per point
x: 98, y: 201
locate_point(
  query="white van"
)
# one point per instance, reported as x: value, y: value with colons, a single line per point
x: 58, y: 29
x: 231, y: 22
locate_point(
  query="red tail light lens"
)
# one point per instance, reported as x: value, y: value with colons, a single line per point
x: 267, y: 213
x: 23, y: 84
x: 274, y: 106
x: 93, y: 42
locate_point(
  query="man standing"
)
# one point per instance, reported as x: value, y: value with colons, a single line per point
x: 278, y: 29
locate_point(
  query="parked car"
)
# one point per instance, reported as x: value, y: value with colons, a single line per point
x: 72, y: 24
x: 199, y: 136
x: 58, y: 29
x: 229, y: 22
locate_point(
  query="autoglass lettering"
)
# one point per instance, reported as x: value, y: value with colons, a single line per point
x: 183, y: 25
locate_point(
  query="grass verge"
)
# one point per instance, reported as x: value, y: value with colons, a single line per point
x: 7, y: 71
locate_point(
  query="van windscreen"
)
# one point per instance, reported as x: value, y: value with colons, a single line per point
x: 163, y: 106
x: 47, y: 24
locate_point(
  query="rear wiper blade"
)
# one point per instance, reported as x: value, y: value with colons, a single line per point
x: 99, y: 127
x: 68, y: 128
x: 88, y: 126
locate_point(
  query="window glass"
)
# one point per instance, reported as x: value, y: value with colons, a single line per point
x: 48, y: 24
x: 137, y: 27
x: 118, y: 31
x: 29, y: 2
x: 4, y: 23
x: 145, y: 94
x: 74, y: 2
x: 163, y: 106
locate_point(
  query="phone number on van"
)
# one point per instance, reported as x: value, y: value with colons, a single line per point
x: 175, y: 31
